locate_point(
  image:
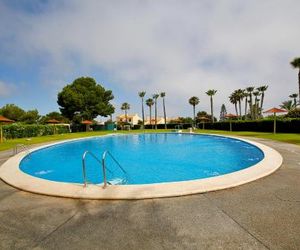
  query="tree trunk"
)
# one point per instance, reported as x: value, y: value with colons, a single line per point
x: 236, y: 111
x: 155, y: 113
x: 251, y: 106
x: 255, y: 108
x: 194, y: 115
x: 126, y: 115
x: 150, y: 116
x: 240, y: 109
x: 211, y: 109
x: 165, y: 115
x: 261, y: 102
x: 299, y: 85
x: 246, y: 102
x: 143, y: 115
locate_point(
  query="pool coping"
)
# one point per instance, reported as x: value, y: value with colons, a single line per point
x: 12, y: 175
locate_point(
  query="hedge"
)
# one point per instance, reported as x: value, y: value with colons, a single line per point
x: 282, y: 126
x: 23, y: 131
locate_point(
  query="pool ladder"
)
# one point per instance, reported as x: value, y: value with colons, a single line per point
x: 102, y: 163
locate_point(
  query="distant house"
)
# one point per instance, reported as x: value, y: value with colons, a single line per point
x: 160, y: 120
x: 132, y: 119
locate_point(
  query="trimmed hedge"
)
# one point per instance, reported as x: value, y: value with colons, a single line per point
x: 282, y: 126
x: 23, y: 131
x: 169, y: 126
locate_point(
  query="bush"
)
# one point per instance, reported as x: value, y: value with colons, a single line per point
x: 266, y: 125
x: 17, y: 130
x: 169, y: 126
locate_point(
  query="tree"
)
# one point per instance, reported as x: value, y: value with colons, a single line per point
x: 211, y: 93
x: 294, y: 97
x: 149, y: 103
x: 85, y: 99
x: 240, y: 97
x: 142, y: 95
x: 287, y: 105
x: 262, y: 90
x: 125, y: 106
x: 163, y: 95
x: 31, y: 117
x: 256, y: 104
x: 293, y: 113
x: 223, y: 113
x: 155, y: 96
x: 296, y: 64
x: 13, y: 112
x: 54, y: 115
x: 246, y: 94
x: 194, y: 100
x: 233, y: 99
x: 250, y: 90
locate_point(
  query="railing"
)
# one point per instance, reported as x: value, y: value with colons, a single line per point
x: 103, y: 163
x: 23, y: 147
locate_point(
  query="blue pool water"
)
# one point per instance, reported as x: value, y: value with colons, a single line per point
x: 147, y: 158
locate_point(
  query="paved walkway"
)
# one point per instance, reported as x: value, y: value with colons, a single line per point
x: 264, y: 214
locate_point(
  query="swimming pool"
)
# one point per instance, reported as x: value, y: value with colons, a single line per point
x: 174, y: 165
x: 146, y: 158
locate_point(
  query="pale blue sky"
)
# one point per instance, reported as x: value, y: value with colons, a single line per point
x: 181, y: 47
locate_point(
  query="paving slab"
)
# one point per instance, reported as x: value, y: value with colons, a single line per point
x: 264, y: 214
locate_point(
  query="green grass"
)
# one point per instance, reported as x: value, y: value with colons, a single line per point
x: 9, y: 144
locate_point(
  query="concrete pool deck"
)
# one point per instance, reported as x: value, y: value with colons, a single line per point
x: 11, y: 174
x: 264, y: 214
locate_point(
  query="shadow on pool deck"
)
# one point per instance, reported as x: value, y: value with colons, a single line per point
x: 264, y: 214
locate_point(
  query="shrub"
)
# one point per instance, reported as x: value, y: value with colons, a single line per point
x: 266, y: 125
x: 18, y: 130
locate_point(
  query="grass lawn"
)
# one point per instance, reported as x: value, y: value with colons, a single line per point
x: 9, y: 144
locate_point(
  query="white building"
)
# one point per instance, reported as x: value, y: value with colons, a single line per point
x: 160, y: 120
x: 132, y: 119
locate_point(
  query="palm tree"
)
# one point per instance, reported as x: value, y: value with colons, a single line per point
x: 296, y: 64
x: 125, y: 106
x: 294, y: 96
x: 233, y: 99
x: 250, y: 90
x: 240, y: 97
x: 256, y: 103
x: 287, y: 105
x: 155, y: 96
x: 163, y: 95
x: 142, y: 95
x: 262, y: 90
x: 149, y: 103
x: 211, y: 93
x: 246, y: 102
x: 194, y: 100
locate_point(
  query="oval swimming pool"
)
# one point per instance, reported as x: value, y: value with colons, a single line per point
x: 146, y: 158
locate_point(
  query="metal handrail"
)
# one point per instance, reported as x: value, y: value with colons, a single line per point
x: 104, y: 168
x: 84, y: 166
x: 106, y: 152
x: 22, y: 146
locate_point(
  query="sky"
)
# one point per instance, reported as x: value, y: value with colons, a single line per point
x: 181, y: 47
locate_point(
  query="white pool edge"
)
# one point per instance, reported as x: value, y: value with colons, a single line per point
x: 12, y: 175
